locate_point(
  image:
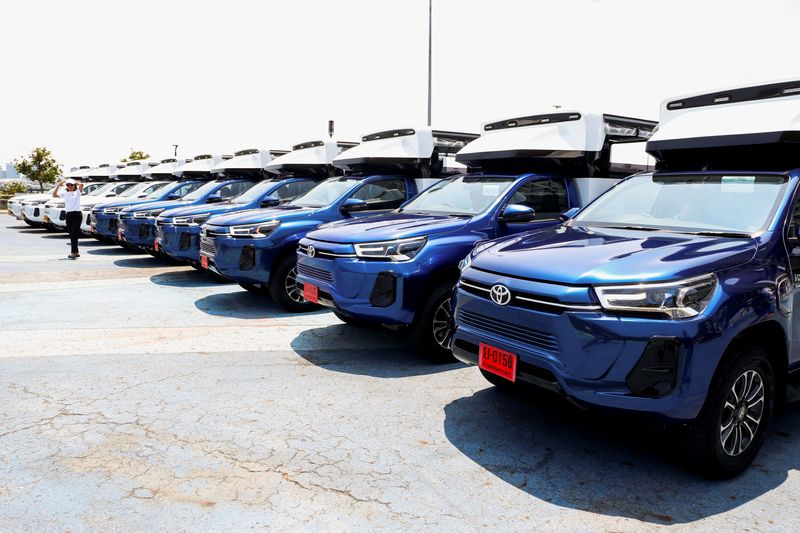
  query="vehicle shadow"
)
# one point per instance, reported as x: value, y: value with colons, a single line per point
x: 114, y: 251
x: 139, y: 262
x: 242, y: 304
x: 374, y: 352
x: 570, y: 458
x: 181, y: 278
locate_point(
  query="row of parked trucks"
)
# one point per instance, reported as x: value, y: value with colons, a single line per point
x: 525, y: 250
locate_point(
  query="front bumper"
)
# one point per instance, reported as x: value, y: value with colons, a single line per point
x: 106, y: 224
x: 241, y: 259
x: 589, y: 355
x: 139, y: 231
x: 57, y: 216
x: 179, y: 242
x: 33, y: 213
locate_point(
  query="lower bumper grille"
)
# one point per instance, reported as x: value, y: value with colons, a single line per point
x: 495, y: 326
x: 208, y: 246
x: 314, y: 273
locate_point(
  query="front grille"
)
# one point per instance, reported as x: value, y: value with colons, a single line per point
x: 208, y: 246
x: 314, y: 273
x: 495, y: 326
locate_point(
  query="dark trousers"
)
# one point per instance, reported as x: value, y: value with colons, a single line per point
x: 74, y: 228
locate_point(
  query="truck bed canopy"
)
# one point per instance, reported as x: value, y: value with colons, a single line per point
x: 104, y: 172
x: 136, y: 171
x: 78, y: 173
x: 739, y: 128
x: 165, y: 169
x: 249, y: 162
x: 200, y: 167
x: 311, y: 158
x: 570, y: 142
x: 421, y: 151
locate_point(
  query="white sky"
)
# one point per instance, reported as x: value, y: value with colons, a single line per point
x: 91, y: 79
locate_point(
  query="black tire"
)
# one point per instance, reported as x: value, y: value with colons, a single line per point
x: 355, y: 322
x: 705, y: 445
x: 431, y: 341
x: 28, y: 222
x: 252, y: 287
x: 283, y: 286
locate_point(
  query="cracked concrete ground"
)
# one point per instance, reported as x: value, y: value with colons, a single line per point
x: 139, y: 396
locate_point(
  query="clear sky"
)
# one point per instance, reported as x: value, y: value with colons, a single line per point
x: 91, y: 79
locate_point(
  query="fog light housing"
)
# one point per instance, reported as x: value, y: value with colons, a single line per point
x: 657, y: 372
x: 247, y: 259
x: 384, y: 291
x: 185, y: 242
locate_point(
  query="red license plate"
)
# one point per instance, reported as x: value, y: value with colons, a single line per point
x: 204, y: 261
x: 311, y: 293
x: 119, y: 234
x: 497, y: 361
x: 155, y: 244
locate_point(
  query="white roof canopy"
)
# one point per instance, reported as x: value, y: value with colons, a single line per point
x: 165, y: 168
x: 201, y: 164
x: 308, y: 155
x: 136, y: 168
x: 249, y: 159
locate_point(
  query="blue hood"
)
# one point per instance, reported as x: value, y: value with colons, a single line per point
x: 158, y: 204
x: 255, y: 216
x: 387, y: 227
x: 125, y: 203
x: 584, y: 256
x: 214, y: 209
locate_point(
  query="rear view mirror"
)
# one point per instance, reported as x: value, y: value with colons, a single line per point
x: 568, y: 214
x: 214, y: 199
x: 173, y: 196
x: 269, y: 201
x: 352, y: 205
x: 517, y: 214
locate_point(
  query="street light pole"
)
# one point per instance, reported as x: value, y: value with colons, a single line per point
x: 430, y: 54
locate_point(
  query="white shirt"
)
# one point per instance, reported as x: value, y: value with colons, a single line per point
x: 72, y: 200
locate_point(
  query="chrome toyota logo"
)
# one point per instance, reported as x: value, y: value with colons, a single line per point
x: 311, y: 251
x: 500, y: 294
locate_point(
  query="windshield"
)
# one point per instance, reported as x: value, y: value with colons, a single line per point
x: 206, y: 188
x: 468, y: 195
x: 689, y: 203
x: 326, y: 192
x: 102, y: 189
x: 154, y: 188
x: 136, y: 189
x: 254, y: 193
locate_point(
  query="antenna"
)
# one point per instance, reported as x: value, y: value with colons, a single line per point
x: 175, y: 146
x: 330, y: 128
x: 430, y: 54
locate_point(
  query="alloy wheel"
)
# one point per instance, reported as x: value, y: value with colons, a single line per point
x: 291, y: 287
x: 742, y: 412
x: 441, y: 324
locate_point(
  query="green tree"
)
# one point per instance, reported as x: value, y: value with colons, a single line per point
x: 136, y: 155
x: 39, y: 166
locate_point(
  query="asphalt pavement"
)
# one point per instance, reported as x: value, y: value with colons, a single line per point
x: 140, y: 396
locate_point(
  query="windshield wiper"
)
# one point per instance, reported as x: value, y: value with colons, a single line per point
x: 641, y: 228
x: 717, y: 233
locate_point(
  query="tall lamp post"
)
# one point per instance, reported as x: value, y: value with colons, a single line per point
x: 430, y: 54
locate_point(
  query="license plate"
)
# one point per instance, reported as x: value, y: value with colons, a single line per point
x: 119, y: 234
x: 155, y: 245
x: 311, y: 293
x: 497, y: 361
x: 204, y: 261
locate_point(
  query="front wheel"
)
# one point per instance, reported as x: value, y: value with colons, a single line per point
x: 431, y: 330
x: 283, y: 286
x: 730, y: 430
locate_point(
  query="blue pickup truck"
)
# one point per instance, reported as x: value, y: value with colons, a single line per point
x: 178, y: 230
x: 258, y: 248
x: 104, y: 219
x: 399, y: 269
x: 137, y: 223
x: 670, y: 296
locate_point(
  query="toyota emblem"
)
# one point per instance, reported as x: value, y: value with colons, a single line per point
x: 500, y: 294
x: 311, y: 251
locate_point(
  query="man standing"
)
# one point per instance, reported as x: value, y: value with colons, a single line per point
x: 72, y: 205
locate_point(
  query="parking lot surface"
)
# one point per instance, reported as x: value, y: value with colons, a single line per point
x: 139, y: 396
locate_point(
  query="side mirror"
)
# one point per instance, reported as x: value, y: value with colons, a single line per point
x: 269, y: 201
x: 517, y: 214
x: 568, y: 214
x: 214, y: 199
x: 352, y: 205
x: 173, y: 196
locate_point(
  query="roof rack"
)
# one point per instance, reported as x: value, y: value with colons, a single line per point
x: 310, y: 158
x: 739, y: 128
x: 419, y: 151
x: 568, y: 141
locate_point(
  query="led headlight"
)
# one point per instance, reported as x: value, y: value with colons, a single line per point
x: 255, y: 230
x: 399, y: 250
x: 200, y: 219
x: 467, y: 261
x: 110, y: 210
x: 676, y: 299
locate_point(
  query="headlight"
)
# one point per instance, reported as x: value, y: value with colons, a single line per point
x: 255, y: 230
x: 400, y: 250
x: 200, y: 219
x: 677, y: 299
x: 467, y: 261
x: 111, y: 209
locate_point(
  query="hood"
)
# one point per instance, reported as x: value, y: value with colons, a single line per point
x: 213, y: 209
x: 584, y: 256
x: 387, y: 227
x: 254, y: 216
x: 126, y: 203
x: 157, y: 204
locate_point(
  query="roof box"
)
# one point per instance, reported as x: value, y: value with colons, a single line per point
x: 309, y: 158
x: 136, y: 170
x: 419, y: 150
x: 740, y: 128
x: 165, y: 168
x: 248, y: 162
x: 78, y: 173
x: 200, y: 167
x: 567, y: 141
x: 104, y: 172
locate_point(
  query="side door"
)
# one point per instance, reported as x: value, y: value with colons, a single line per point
x: 788, y: 286
x: 547, y: 196
x: 381, y: 195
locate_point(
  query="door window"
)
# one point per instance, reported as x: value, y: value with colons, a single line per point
x: 383, y: 194
x: 290, y: 191
x: 234, y: 189
x: 548, y: 197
